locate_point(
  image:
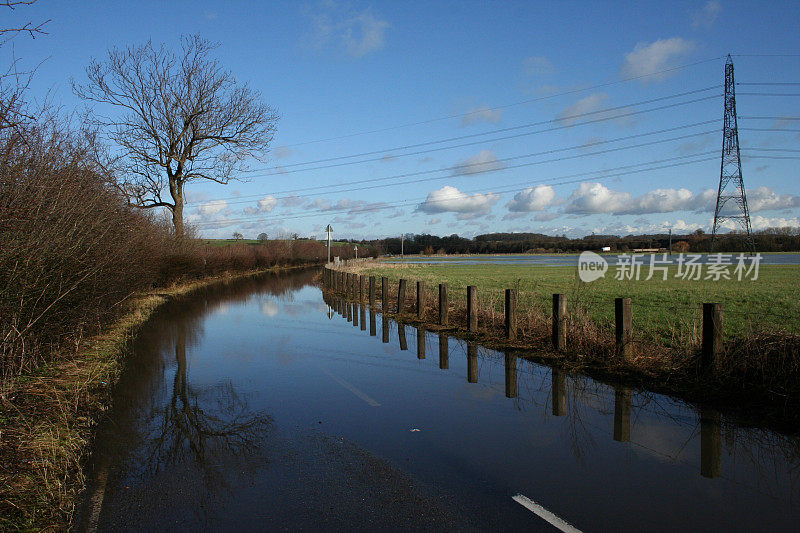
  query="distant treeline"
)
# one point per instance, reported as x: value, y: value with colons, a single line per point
x: 771, y: 240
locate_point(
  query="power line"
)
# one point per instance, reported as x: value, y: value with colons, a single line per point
x: 276, y: 171
x: 506, y: 106
x: 514, y: 188
x: 518, y: 187
x: 546, y: 152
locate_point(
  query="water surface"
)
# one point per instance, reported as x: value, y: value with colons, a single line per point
x: 259, y: 405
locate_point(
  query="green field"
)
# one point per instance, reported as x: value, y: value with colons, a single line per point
x: 670, y: 309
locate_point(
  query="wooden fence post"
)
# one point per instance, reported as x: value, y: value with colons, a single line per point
x: 372, y: 292
x: 444, y: 304
x: 385, y: 294
x: 420, y: 300
x: 712, y: 334
x: 362, y: 288
x: 472, y: 308
x: 624, y: 324
x: 511, y: 314
x: 401, y: 295
x: 560, y: 322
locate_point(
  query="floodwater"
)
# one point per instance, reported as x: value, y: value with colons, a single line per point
x: 257, y: 405
x: 572, y: 259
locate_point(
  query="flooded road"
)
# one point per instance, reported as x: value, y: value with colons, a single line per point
x: 257, y: 405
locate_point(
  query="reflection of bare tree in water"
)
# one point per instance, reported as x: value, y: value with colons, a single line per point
x: 201, y: 424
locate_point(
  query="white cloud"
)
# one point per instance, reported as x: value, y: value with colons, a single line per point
x: 483, y: 161
x: 434, y: 220
x: 364, y: 34
x: 531, y: 199
x: 267, y: 204
x: 482, y: 114
x: 706, y: 16
x: 590, y: 198
x: 655, y: 57
x: 450, y: 199
x: 590, y: 104
x: 763, y: 198
x: 537, y: 66
x: 292, y: 201
x: 212, y: 208
x: 759, y: 222
x: 354, y: 33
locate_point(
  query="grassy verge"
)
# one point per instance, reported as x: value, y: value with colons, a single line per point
x: 758, y: 371
x: 47, y: 418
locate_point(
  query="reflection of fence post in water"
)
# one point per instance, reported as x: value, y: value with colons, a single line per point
x: 559, y: 389
x: 444, y: 351
x: 622, y: 414
x: 472, y: 362
x: 511, y: 375
x: 420, y: 342
x: 710, y: 443
x: 349, y: 311
x: 384, y: 329
x: 444, y: 304
x: 363, y: 313
x: 355, y: 315
x: 372, y: 327
x: 401, y: 335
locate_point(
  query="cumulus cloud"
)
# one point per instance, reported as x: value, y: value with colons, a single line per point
x: 759, y: 222
x: 532, y: 199
x: 707, y: 15
x: 591, y: 198
x: 450, y: 199
x: 763, y: 198
x: 590, y: 104
x: 596, y: 198
x: 482, y: 114
x: 267, y: 204
x: 647, y: 59
x: 212, y: 208
x: 483, y: 161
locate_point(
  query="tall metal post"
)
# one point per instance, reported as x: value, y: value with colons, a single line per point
x: 731, y: 184
x: 329, y: 230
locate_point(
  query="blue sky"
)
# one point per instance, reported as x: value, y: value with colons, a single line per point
x: 372, y: 78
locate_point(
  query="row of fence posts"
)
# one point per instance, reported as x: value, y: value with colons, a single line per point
x: 710, y: 426
x: 353, y: 286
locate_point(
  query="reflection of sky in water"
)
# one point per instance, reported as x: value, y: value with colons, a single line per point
x: 279, y: 353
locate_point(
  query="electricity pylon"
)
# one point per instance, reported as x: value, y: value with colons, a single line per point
x: 731, y: 185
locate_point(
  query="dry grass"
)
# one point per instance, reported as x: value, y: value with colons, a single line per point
x: 48, y: 417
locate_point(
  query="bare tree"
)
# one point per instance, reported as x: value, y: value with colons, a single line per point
x: 179, y: 118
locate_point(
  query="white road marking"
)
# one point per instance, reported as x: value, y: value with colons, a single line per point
x: 352, y: 389
x: 544, y: 514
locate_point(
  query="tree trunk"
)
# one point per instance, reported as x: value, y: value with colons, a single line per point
x: 176, y: 190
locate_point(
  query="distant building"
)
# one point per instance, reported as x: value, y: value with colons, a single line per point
x: 605, y: 249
